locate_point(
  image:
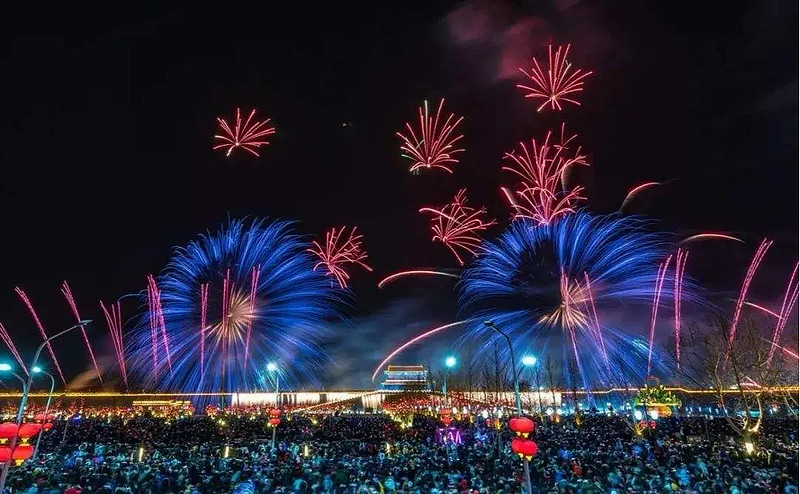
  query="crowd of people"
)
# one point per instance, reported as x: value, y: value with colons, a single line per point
x: 376, y: 453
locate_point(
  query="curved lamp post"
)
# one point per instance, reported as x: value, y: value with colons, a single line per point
x: 38, y: 370
x: 26, y: 389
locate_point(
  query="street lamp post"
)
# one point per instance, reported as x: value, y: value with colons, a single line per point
x: 449, y: 363
x: 273, y: 369
x: 494, y: 328
x: 26, y: 389
x: 38, y: 370
x: 530, y: 361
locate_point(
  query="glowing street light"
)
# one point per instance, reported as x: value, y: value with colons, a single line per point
x: 272, y: 367
x: 450, y: 362
x: 528, y: 360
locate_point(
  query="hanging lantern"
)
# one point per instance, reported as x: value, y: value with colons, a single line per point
x: 21, y: 453
x: 47, y: 426
x: 274, y: 422
x: 39, y: 417
x: 524, y: 447
x: 7, y: 431
x: 50, y: 417
x: 275, y: 413
x: 28, y: 430
x: 521, y: 425
x: 446, y: 421
x: 5, y: 454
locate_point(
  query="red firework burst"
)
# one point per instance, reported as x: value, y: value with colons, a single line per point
x: 542, y: 194
x: 456, y: 225
x: 249, y: 136
x: 432, y: 146
x: 557, y: 82
x: 338, y: 252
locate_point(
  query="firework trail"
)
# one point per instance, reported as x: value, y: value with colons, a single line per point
x: 761, y: 308
x: 596, y: 321
x: 249, y: 136
x: 533, y: 280
x: 12, y: 347
x: 680, y: 265
x: 157, y: 322
x: 39, y: 326
x: 557, y: 82
x: 413, y: 340
x: 433, y: 146
x: 785, y: 350
x: 751, y: 271
x: 788, y: 305
x: 212, y: 276
x: 253, y: 291
x: 542, y: 194
x: 704, y: 236
x: 659, y: 285
x: 114, y: 322
x: 203, y: 326
x: 415, y: 272
x: 634, y: 191
x: 338, y: 252
x: 456, y: 225
x: 71, y: 301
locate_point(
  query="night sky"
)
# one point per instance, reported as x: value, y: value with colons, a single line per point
x: 109, y: 115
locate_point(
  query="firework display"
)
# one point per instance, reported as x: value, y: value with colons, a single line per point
x: 557, y: 83
x: 431, y: 145
x: 338, y: 252
x: 73, y: 306
x: 219, y: 322
x: 249, y: 135
x: 114, y: 322
x: 542, y: 194
x: 456, y: 225
x: 24, y: 297
x: 536, y: 279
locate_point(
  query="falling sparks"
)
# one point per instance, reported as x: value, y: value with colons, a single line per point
x: 662, y: 271
x: 339, y: 251
x: 253, y: 291
x: 248, y: 136
x: 788, y: 305
x: 542, y: 194
x: 456, y: 225
x: 114, y: 322
x: 12, y: 347
x: 555, y: 84
x: 415, y: 272
x: 39, y: 326
x: 680, y: 265
x: 748, y: 278
x: 432, y: 145
x: 71, y: 301
x: 598, y: 332
x: 203, y: 325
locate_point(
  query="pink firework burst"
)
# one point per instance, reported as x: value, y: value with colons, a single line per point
x: 542, y: 194
x: 456, y: 225
x: 432, y: 145
x: 249, y: 135
x: 339, y: 251
x: 555, y: 84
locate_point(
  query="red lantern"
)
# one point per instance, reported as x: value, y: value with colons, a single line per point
x: 445, y: 412
x: 642, y: 424
x: 446, y: 421
x: 28, y: 430
x: 652, y: 424
x: 5, y: 454
x: 22, y: 453
x: 39, y: 417
x: 524, y: 447
x: 521, y: 425
x: 275, y: 413
x: 7, y: 431
x: 50, y: 417
x: 47, y: 426
x: 274, y: 422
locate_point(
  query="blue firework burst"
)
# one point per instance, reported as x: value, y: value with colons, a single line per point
x: 252, y: 289
x: 567, y: 280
